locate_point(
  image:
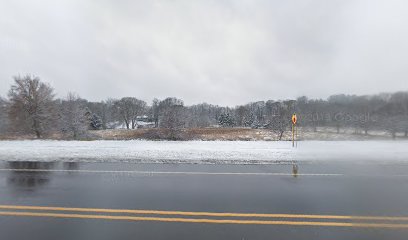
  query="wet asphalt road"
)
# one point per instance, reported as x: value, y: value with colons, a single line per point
x: 324, y: 189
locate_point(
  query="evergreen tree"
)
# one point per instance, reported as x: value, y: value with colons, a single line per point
x: 226, y: 120
x: 95, y: 122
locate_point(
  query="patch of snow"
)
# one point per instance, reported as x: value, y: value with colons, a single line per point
x: 212, y: 152
x: 357, y: 151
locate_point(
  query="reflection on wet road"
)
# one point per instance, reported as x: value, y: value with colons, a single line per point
x: 29, y: 181
x: 69, y: 200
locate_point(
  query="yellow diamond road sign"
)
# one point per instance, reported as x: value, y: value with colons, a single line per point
x: 294, y: 119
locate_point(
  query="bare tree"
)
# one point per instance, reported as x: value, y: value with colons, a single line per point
x: 4, y: 121
x: 73, y: 116
x: 108, y: 114
x: 280, y: 117
x: 241, y: 114
x: 129, y: 108
x: 122, y: 110
x: 172, y: 117
x: 198, y: 115
x: 31, y: 106
x: 138, y: 109
x: 155, y: 112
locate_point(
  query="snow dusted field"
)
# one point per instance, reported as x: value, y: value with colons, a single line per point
x: 203, y: 151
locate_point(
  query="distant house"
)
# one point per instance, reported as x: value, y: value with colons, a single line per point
x: 142, y: 122
x: 143, y: 118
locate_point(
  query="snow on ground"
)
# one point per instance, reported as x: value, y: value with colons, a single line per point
x: 237, y: 152
x: 356, y: 151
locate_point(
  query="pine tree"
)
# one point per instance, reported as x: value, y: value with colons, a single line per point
x: 95, y: 122
x: 226, y: 120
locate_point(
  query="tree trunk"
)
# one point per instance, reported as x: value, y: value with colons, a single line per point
x: 36, y: 129
x: 280, y: 135
x: 37, y: 133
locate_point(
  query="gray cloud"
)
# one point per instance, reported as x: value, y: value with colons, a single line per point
x: 223, y: 52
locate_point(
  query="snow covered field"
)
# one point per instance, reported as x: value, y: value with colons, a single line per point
x: 203, y: 151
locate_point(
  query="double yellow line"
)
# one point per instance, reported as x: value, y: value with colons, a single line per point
x: 226, y: 218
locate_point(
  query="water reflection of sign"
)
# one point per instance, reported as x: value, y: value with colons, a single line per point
x: 295, y: 169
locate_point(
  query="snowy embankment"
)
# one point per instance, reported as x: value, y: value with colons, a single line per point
x: 235, y: 152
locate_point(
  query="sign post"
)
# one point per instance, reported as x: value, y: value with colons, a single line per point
x: 294, y: 120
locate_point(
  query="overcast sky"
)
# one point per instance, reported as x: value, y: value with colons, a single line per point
x: 221, y: 52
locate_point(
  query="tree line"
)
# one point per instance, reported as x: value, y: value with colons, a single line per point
x: 31, y: 108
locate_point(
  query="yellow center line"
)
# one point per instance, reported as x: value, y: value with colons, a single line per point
x: 215, y: 221
x: 209, y: 214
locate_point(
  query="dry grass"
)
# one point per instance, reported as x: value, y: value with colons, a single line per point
x: 236, y: 134
x: 231, y: 134
x: 120, y: 134
x: 212, y: 134
x: 206, y: 134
